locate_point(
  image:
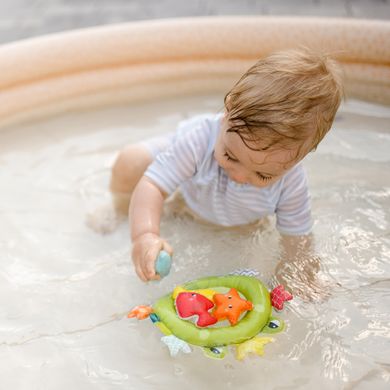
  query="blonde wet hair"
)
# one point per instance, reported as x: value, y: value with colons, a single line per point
x: 289, y: 98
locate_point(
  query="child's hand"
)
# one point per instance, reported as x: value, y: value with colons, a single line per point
x: 301, y: 278
x: 145, y: 251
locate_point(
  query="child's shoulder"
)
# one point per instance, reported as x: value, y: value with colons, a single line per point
x: 199, y: 131
x: 207, y: 121
x: 294, y: 177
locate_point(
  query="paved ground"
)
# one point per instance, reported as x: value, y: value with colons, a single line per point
x: 26, y: 18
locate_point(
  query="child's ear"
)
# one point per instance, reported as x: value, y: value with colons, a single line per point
x: 225, y: 114
x: 227, y: 103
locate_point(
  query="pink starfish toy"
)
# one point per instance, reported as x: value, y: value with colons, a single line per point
x: 279, y: 296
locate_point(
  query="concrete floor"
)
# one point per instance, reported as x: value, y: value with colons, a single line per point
x: 21, y: 19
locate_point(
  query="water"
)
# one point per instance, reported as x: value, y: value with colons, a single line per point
x: 65, y: 290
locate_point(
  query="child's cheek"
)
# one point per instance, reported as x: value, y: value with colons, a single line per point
x: 219, y: 158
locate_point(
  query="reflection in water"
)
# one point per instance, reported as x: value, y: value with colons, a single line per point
x: 65, y: 291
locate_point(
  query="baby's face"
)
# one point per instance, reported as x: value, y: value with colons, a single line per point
x: 246, y: 166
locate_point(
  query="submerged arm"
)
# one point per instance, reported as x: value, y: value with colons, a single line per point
x: 299, y: 266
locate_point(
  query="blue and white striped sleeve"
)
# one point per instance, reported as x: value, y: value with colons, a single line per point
x: 293, y: 212
x: 181, y: 160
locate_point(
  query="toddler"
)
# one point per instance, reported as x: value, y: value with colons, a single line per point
x: 238, y: 166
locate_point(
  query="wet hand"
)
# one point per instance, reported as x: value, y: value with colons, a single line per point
x: 146, y: 249
x: 302, y: 279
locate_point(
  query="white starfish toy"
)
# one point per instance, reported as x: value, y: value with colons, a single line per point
x: 175, y: 345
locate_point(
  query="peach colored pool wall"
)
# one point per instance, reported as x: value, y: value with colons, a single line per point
x: 155, y: 59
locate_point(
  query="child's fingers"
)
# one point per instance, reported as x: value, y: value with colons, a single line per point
x: 137, y: 265
x: 166, y: 247
x: 145, y: 256
x: 155, y: 277
x: 150, y: 261
x: 140, y: 273
x: 150, y: 271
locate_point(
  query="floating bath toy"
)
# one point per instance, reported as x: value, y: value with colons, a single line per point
x: 163, y: 264
x: 217, y: 312
x: 279, y: 296
x: 141, y: 312
x: 230, y: 306
x: 189, y: 304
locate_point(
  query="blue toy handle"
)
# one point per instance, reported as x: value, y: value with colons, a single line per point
x: 163, y: 263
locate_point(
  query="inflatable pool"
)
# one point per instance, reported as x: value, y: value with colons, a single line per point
x: 65, y: 291
x: 151, y: 59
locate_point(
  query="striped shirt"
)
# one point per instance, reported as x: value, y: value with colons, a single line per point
x: 188, y: 163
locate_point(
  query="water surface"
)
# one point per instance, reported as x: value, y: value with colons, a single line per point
x: 65, y: 290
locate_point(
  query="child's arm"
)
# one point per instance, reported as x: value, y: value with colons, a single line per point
x: 144, y: 219
x: 170, y: 168
x: 299, y: 266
